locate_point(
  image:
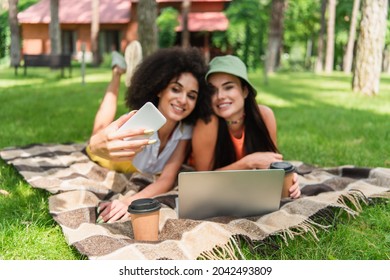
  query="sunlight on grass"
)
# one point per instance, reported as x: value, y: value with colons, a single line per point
x: 39, y: 77
x: 5, y: 83
x: 89, y: 78
x: 320, y: 122
x: 272, y: 100
x: 34, y: 241
x: 308, y: 89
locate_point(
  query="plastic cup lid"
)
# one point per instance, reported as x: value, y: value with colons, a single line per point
x: 286, y: 166
x: 144, y: 205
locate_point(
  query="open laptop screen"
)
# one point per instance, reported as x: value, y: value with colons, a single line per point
x: 238, y: 193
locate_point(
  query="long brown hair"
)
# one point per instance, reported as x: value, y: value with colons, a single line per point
x: 257, y: 137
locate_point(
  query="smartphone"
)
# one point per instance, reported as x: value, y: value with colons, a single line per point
x: 147, y: 117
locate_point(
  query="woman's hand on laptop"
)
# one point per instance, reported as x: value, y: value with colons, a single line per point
x: 294, y: 190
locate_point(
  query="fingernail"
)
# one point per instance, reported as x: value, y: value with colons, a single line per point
x: 152, y: 141
x: 99, y: 220
x: 148, y: 131
x: 98, y: 209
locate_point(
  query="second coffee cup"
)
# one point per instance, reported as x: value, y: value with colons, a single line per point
x: 288, y: 175
x: 144, y: 215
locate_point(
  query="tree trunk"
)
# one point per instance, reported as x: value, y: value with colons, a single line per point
x: 275, y: 34
x: 309, y: 49
x: 370, y: 45
x: 320, y: 48
x: 185, y: 33
x: 95, y: 32
x: 15, y: 33
x: 348, y: 56
x: 386, y: 60
x: 54, y: 28
x: 247, y: 44
x: 147, y: 27
x: 329, y: 58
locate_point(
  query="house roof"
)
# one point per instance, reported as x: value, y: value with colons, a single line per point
x: 175, y: 1
x: 116, y: 11
x: 78, y: 12
x: 212, y: 21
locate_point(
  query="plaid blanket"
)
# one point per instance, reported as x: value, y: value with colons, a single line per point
x: 77, y: 185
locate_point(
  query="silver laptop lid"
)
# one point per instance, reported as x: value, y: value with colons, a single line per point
x: 238, y: 193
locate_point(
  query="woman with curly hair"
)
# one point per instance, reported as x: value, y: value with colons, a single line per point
x: 173, y: 80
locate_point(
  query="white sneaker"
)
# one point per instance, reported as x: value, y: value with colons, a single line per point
x: 133, y: 56
x: 118, y: 60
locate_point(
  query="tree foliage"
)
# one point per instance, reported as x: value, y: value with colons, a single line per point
x: 167, y: 21
x: 248, y: 27
x: 247, y: 35
x: 4, y: 27
x: 4, y: 34
x: 301, y: 22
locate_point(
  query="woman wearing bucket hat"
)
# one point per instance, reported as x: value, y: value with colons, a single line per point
x: 242, y: 133
x: 173, y: 80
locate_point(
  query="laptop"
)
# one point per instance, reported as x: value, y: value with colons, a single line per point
x: 237, y: 193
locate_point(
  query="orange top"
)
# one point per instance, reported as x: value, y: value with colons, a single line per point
x: 238, y: 144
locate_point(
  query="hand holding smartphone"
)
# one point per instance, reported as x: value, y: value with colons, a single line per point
x: 147, y: 117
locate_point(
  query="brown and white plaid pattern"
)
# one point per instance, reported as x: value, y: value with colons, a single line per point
x: 77, y: 185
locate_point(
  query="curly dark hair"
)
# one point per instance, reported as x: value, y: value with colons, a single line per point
x: 155, y: 72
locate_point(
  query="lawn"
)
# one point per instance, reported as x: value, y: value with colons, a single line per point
x: 320, y: 121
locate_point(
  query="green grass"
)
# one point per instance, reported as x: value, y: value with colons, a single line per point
x: 366, y: 237
x: 320, y: 121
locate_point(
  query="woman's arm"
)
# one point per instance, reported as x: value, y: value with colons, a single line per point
x: 258, y: 160
x: 107, y: 109
x: 114, y: 210
x: 168, y: 176
x: 270, y: 122
x: 204, y: 139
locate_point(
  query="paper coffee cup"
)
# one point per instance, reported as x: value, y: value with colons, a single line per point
x: 288, y: 175
x: 144, y: 215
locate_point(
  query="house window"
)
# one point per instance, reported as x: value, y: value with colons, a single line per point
x: 68, y: 42
x: 109, y: 41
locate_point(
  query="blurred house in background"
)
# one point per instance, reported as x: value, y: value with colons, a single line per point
x: 118, y: 24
